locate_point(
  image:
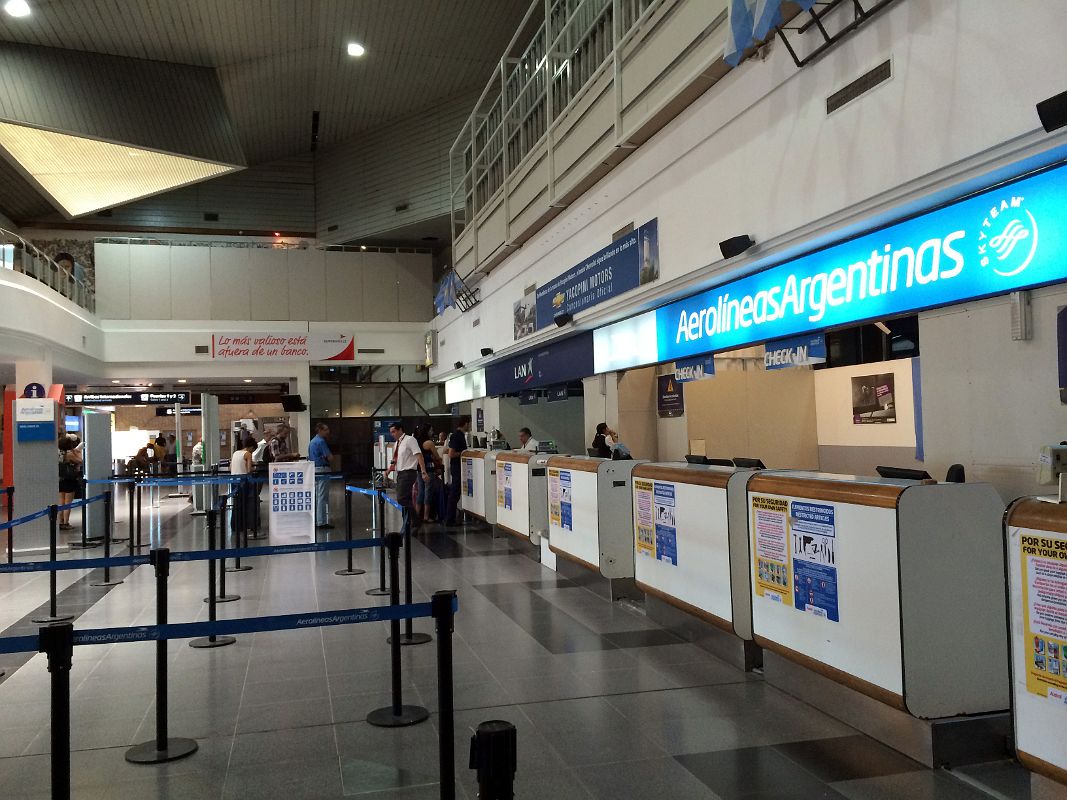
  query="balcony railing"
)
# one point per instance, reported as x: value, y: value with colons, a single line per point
x: 21, y: 255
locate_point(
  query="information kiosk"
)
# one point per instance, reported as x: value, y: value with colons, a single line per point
x: 522, y: 495
x: 691, y: 562
x: 880, y: 601
x: 1037, y: 594
x: 590, y: 518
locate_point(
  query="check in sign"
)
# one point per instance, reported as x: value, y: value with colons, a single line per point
x: 1008, y: 238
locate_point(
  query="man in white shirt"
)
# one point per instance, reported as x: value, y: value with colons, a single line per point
x: 407, y: 461
x: 526, y: 441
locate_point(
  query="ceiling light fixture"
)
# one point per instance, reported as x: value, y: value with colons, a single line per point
x: 17, y: 8
x: 182, y: 380
x: 248, y: 380
x: 116, y: 381
x: 355, y: 49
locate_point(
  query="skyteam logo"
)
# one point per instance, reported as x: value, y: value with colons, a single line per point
x: 1007, y: 240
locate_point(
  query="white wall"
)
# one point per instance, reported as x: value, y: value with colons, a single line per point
x: 162, y: 282
x: 833, y: 407
x: 757, y: 154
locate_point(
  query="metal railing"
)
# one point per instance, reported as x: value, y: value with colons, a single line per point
x: 21, y: 255
x: 543, y: 71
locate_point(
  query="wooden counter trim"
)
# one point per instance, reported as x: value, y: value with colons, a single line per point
x: 858, y: 494
x: 833, y: 673
x: 472, y: 454
x: 688, y: 608
x: 1029, y: 513
x: 575, y: 464
x: 515, y: 456
x: 513, y: 532
x: 694, y: 477
x: 1042, y: 767
x: 574, y: 559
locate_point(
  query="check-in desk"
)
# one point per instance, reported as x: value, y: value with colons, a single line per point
x: 689, y: 561
x: 1037, y: 597
x: 478, y: 483
x: 590, y: 519
x: 882, y: 602
x: 522, y: 495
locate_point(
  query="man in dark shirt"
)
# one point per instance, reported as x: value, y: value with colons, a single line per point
x: 457, y: 443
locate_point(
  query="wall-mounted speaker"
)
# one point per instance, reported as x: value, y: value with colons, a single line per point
x: 459, y: 365
x: 562, y: 319
x: 735, y: 245
x: 487, y: 351
x: 1053, y: 112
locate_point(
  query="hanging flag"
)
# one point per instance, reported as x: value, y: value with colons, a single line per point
x: 739, y: 35
x: 446, y: 293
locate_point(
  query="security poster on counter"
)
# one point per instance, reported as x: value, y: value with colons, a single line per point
x: 666, y: 524
x: 500, y: 487
x: 770, y: 531
x: 873, y: 399
x: 644, y: 523
x: 554, y: 512
x: 468, y: 477
x: 814, y: 540
x: 566, y: 509
x: 292, y: 498
x: 1043, y: 560
x: 504, y: 498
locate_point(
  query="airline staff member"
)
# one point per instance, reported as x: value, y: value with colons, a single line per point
x: 529, y: 444
x: 407, y: 463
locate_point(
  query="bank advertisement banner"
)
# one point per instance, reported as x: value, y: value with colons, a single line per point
x: 814, y: 543
x: 292, y: 498
x: 625, y: 264
x: 797, y: 351
x: 1043, y: 561
x: 644, y: 520
x: 1004, y: 239
x: 283, y: 346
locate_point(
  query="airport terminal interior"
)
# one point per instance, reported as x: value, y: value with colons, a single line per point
x: 549, y: 399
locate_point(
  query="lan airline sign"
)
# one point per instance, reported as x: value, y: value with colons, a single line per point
x: 1002, y: 240
x: 283, y: 347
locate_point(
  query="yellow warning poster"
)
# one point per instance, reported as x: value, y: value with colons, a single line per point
x: 554, y: 515
x: 770, y: 535
x: 644, y: 525
x: 1043, y: 560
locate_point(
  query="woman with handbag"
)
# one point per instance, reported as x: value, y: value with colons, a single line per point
x: 70, y: 475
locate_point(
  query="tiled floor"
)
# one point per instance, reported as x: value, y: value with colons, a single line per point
x: 607, y: 704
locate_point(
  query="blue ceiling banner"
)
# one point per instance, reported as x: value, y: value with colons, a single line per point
x: 560, y: 361
x: 694, y: 369
x: 628, y: 262
x: 528, y: 398
x: 1001, y: 240
x: 798, y: 351
x: 558, y: 394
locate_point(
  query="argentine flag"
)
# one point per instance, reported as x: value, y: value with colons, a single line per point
x: 752, y: 21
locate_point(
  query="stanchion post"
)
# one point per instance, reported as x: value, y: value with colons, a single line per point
x: 396, y: 715
x: 53, y: 536
x: 494, y: 754
x: 57, y: 643
x: 10, y: 492
x: 245, y: 493
x: 221, y: 563
x: 350, y: 570
x: 380, y: 590
x: 409, y: 638
x: 107, y: 542
x: 445, y: 619
x: 161, y: 749
x: 212, y: 640
x: 137, y: 545
x: 85, y: 514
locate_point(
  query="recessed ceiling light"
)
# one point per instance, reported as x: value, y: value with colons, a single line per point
x: 17, y: 8
x: 116, y: 381
x: 363, y: 247
x: 182, y: 380
x: 355, y: 49
x: 248, y: 380
x: 276, y: 233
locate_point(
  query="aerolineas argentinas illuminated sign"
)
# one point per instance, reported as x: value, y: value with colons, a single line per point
x: 1001, y: 240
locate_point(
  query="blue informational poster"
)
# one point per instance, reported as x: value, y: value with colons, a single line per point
x: 666, y: 524
x: 292, y: 493
x: 507, y: 486
x: 566, y: 513
x: 468, y: 466
x: 814, y: 559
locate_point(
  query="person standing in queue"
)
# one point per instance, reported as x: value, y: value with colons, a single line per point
x: 526, y: 441
x: 319, y: 454
x: 407, y: 464
x: 604, y: 440
x: 279, y: 443
x: 457, y: 443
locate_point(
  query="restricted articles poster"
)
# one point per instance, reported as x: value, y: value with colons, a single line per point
x: 566, y: 510
x: 507, y: 487
x: 553, y: 497
x: 666, y: 524
x: 292, y: 498
x: 770, y: 531
x: 468, y: 477
x: 814, y: 539
x: 645, y: 535
x: 1043, y: 560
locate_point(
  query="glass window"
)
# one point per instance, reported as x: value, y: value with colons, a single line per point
x: 325, y: 400
x: 370, y: 400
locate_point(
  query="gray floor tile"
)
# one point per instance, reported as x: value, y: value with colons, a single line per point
x: 267, y: 747
x: 923, y: 785
x: 288, y: 714
x: 319, y: 779
x: 662, y: 777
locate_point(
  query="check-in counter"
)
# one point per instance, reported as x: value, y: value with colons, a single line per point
x: 690, y: 559
x: 590, y: 516
x: 1037, y: 596
x: 881, y: 601
x: 522, y: 494
x: 473, y: 486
